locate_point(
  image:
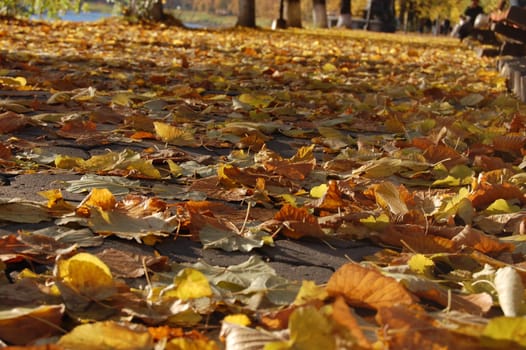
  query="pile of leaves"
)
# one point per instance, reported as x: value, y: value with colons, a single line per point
x: 238, y: 138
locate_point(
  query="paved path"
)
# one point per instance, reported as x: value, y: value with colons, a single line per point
x: 295, y: 260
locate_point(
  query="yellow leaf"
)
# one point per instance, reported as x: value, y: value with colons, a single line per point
x: 239, y: 319
x: 191, y: 344
x: 505, y: 333
x: 256, y: 100
x: 290, y: 199
x: 107, y: 335
x: 86, y: 274
x: 67, y: 162
x: 421, y: 264
x: 304, y: 154
x: 329, y: 67
x: 174, y: 135
x: 122, y: 99
x: 100, y: 198
x: 190, y: 284
x: 501, y: 206
x: 318, y: 191
x: 376, y: 223
x: 309, y: 329
x: 10, y: 81
x: 175, y: 169
x: 310, y: 291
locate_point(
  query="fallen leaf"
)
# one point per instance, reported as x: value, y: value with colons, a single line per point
x: 366, y: 287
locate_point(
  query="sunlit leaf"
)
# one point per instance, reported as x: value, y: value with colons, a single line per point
x: 309, y: 329
x: 505, y: 332
x: 239, y: 319
x: 174, y: 135
x: 308, y: 292
x: 366, y: 287
x: 87, y: 275
x: 10, y: 81
x: 107, y: 335
x: 421, y: 264
x: 189, y: 284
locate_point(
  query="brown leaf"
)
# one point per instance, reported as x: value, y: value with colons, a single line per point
x: 11, y: 121
x: 366, y: 287
x: 129, y: 265
x: 22, y: 326
x: 415, y: 237
x: 5, y: 152
x: 410, y: 328
x: 509, y: 143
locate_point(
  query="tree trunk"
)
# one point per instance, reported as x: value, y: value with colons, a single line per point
x: 319, y: 13
x: 345, y: 18
x: 157, y: 11
x: 247, y: 13
x: 293, y: 13
x: 280, y: 23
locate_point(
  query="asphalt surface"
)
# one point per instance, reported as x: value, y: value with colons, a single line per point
x: 295, y: 260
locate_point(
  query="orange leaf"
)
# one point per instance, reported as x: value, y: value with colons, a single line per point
x: 366, y: 287
x: 487, y: 193
x: 298, y: 222
x: 343, y: 316
x: 478, y: 240
x: 331, y: 200
x: 140, y: 135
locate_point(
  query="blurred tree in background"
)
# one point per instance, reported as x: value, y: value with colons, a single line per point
x: 407, y: 11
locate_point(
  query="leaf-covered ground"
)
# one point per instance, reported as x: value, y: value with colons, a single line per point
x: 237, y: 139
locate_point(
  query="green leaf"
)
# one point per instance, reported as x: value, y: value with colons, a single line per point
x: 501, y: 206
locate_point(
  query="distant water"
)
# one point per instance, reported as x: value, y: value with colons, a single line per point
x: 77, y: 17
x: 95, y: 16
